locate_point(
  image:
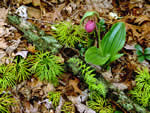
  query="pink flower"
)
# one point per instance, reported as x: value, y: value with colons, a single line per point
x: 90, y: 26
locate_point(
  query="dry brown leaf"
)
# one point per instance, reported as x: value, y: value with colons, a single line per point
x: 13, y: 46
x: 56, y: 15
x: 27, y: 1
x: 74, y: 83
x: 34, y: 12
x: 133, y: 29
x: 36, y: 2
x: 31, y: 49
x: 80, y: 107
x: 142, y: 18
x: 3, y: 15
x: 3, y: 44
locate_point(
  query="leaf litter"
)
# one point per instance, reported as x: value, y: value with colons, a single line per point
x: 32, y: 93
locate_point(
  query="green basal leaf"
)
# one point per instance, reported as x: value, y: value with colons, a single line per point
x: 139, y: 48
x: 147, y: 51
x: 139, y: 53
x: 115, y: 57
x: 114, y: 39
x: 87, y: 14
x: 141, y: 58
x: 147, y: 57
x: 94, y: 55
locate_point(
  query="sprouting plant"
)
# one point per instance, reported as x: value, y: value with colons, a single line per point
x: 141, y: 92
x: 54, y: 97
x: 109, y: 46
x: 46, y: 66
x: 7, y: 76
x: 68, y: 34
x: 68, y: 107
x: 87, y: 72
x: 100, y: 105
x: 6, y: 100
x: 142, y: 55
x: 22, y: 71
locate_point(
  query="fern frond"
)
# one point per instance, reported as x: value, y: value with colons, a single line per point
x: 93, y: 83
x: 69, y: 34
x: 46, y: 66
x: 7, y: 76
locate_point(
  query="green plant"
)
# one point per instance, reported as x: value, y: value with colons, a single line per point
x: 142, y: 55
x: 69, y: 34
x: 54, y: 97
x: 68, y: 107
x: 7, y: 76
x: 141, y: 92
x: 46, y: 66
x: 109, y: 46
x: 93, y: 83
x: 22, y: 70
x: 100, y: 105
x: 6, y: 100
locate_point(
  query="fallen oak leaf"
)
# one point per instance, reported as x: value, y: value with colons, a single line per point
x: 74, y: 83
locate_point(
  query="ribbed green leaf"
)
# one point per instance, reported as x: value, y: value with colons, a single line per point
x: 139, y: 53
x: 94, y: 55
x: 147, y: 51
x: 114, y: 39
x: 139, y: 48
x: 115, y: 57
x: 141, y: 58
x: 147, y: 57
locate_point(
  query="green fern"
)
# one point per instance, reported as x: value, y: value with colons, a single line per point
x: 100, y: 105
x: 54, y: 97
x: 141, y: 93
x: 69, y: 34
x: 68, y: 107
x: 46, y: 66
x: 5, y: 101
x: 7, y: 76
x: 94, y: 84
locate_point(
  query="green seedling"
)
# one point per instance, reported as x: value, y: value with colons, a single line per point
x: 142, y: 55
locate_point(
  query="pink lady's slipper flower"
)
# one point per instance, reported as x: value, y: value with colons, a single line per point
x: 90, y: 26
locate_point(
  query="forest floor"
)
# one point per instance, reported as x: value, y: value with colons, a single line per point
x: 42, y: 55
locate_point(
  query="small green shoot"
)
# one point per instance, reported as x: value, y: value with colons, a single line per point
x: 142, y: 55
x: 54, y: 97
